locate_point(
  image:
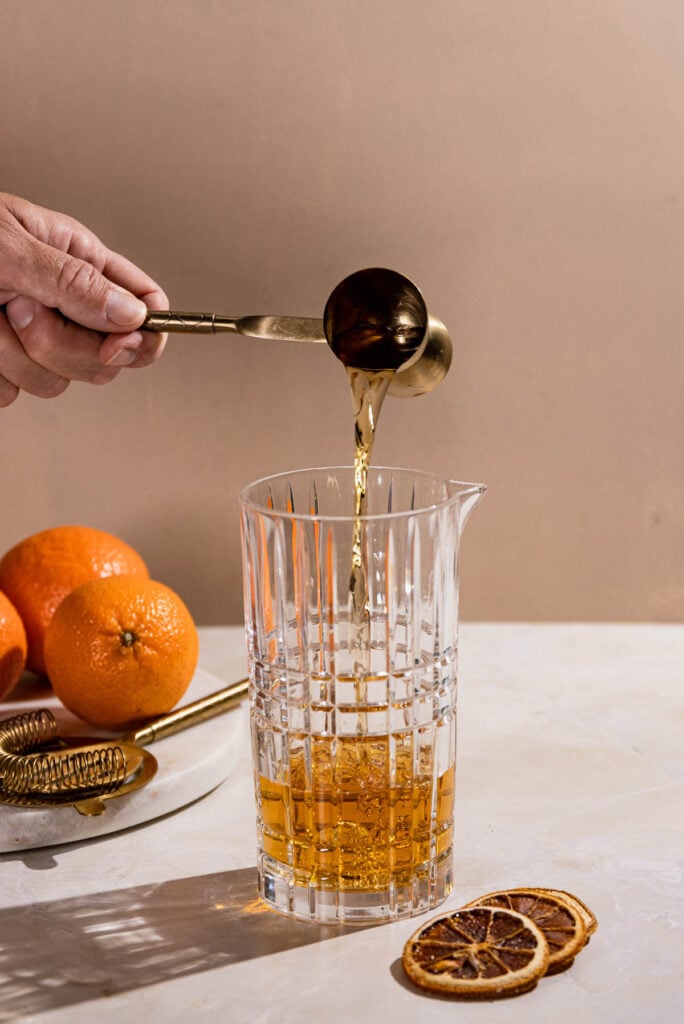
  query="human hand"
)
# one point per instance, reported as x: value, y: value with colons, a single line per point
x: 72, y: 308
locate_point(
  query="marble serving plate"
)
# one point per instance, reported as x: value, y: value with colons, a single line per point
x: 191, y: 764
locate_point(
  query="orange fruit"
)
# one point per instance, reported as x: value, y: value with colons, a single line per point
x: 41, y: 570
x: 120, y: 650
x: 477, y: 953
x: 12, y: 646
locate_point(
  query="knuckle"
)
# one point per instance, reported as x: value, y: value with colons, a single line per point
x: 78, y: 279
x: 83, y: 242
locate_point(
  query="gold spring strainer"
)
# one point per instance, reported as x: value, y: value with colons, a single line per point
x: 38, y: 768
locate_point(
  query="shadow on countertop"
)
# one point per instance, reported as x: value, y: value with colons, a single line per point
x: 64, y: 952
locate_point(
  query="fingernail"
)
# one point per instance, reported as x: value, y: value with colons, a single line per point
x: 124, y: 357
x: 124, y: 309
x: 20, y: 312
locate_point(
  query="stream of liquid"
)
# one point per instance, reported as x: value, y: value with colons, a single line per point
x: 368, y: 393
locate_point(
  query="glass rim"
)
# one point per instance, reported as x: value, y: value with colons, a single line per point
x: 466, y: 489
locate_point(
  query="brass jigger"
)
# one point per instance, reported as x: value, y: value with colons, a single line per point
x: 415, y: 377
x: 376, y: 319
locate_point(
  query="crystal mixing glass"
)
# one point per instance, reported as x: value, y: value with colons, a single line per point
x: 353, y: 723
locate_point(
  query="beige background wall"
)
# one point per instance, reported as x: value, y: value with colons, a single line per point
x: 522, y: 161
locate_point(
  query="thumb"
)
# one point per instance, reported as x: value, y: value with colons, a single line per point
x: 78, y: 290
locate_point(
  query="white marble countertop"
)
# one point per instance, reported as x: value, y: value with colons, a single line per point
x: 569, y: 776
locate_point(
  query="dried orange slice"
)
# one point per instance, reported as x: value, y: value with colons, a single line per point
x: 590, y: 922
x: 561, y: 922
x: 477, y: 953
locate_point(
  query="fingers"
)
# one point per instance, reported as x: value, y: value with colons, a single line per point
x: 40, y: 351
x: 56, y: 260
x: 8, y: 392
x: 122, y: 272
x: 141, y: 348
x: 75, y: 287
x: 19, y: 372
x: 52, y: 268
x: 54, y: 346
x: 125, y: 273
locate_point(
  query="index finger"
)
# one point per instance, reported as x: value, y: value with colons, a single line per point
x: 123, y: 272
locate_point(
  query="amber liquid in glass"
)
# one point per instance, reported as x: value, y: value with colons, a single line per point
x: 351, y: 826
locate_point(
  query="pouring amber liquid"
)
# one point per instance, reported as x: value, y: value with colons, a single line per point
x: 351, y: 612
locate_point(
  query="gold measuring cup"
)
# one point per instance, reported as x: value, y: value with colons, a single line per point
x: 84, y: 772
x: 420, y: 376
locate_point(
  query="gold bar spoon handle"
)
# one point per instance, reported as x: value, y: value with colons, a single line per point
x: 191, y: 714
x: 266, y: 327
x: 161, y: 320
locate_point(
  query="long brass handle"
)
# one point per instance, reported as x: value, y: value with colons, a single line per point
x: 265, y: 327
x: 191, y: 714
x: 161, y: 320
